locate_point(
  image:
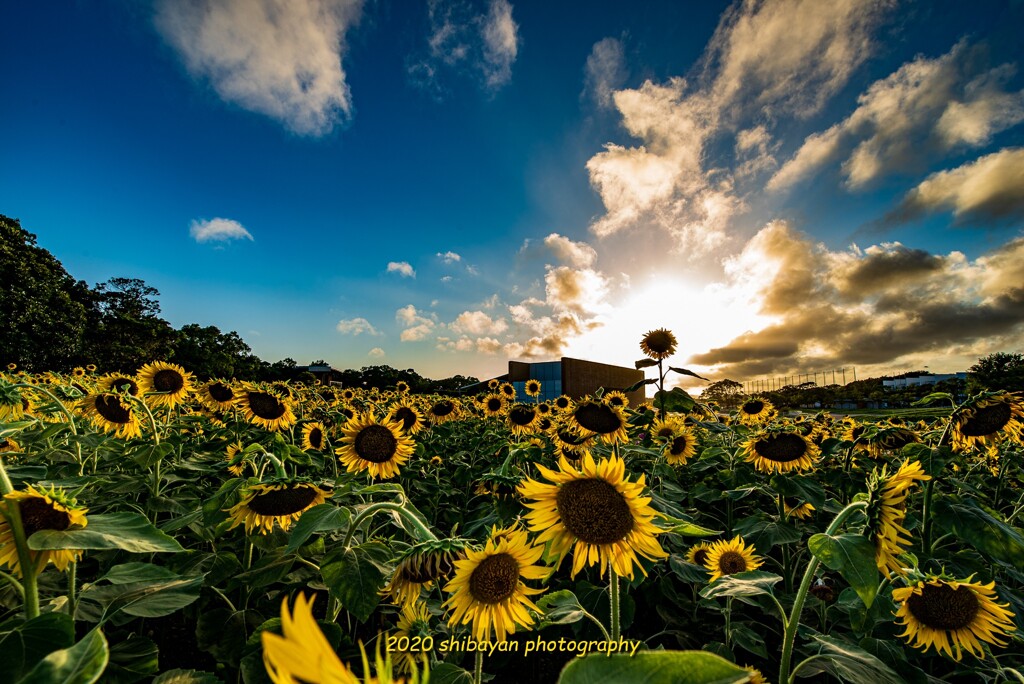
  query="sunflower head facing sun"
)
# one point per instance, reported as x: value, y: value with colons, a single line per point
x: 111, y: 413
x: 594, y: 512
x: 266, y: 408
x: 755, y: 410
x: 595, y: 418
x: 314, y: 436
x: 377, y: 447
x: 658, y: 344
x: 406, y: 414
x: 40, y: 509
x: 952, y: 615
x: 728, y: 557
x: 171, y: 383
x: 774, y: 451
x: 988, y: 420
x: 217, y: 395
x: 532, y: 388
x: 282, y: 502
x: 488, y: 588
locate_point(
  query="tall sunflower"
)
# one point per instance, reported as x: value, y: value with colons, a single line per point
x: 488, y: 588
x: 755, y: 410
x: 494, y: 405
x: 596, y: 513
x: 728, y: 557
x: 265, y: 408
x: 780, y: 452
x: 443, y: 410
x: 282, y: 502
x: 989, y: 420
x: 658, y: 344
x: 169, y: 379
x: 887, y: 509
x: 597, y: 418
x: 111, y: 413
x: 118, y: 382
x: 522, y: 419
x: 40, y: 509
x: 408, y: 416
x: 314, y: 436
x: 378, y: 447
x: 532, y: 388
x: 217, y: 395
x: 952, y: 615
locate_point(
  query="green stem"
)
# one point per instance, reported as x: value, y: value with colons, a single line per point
x: 478, y: 667
x: 72, y: 588
x: 728, y: 622
x: 929, y: 491
x: 25, y: 560
x: 388, y: 506
x: 613, y: 598
x: 276, y: 462
x: 801, y: 595
x: 14, y: 583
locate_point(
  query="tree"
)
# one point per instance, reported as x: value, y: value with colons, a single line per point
x: 42, y: 308
x: 126, y: 330
x: 726, y: 393
x: 1000, y: 370
x: 209, y: 353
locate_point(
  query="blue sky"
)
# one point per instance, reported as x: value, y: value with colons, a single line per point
x: 444, y: 185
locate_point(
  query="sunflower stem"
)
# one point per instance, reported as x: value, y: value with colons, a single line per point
x: 276, y: 462
x: 152, y: 420
x: 478, y: 667
x: 5, y: 482
x: 72, y: 588
x: 25, y: 560
x: 613, y: 599
x: 929, y: 491
x: 801, y: 595
x: 14, y: 583
x: 423, y: 530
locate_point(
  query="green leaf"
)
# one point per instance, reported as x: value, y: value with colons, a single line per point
x: 127, y: 531
x: 148, y: 598
x: 131, y: 660
x: 321, y: 518
x: 934, y: 397
x: 149, y: 455
x: 353, y: 576
x: 645, y: 363
x: 853, y: 557
x: 23, y: 644
x: 850, y: 663
x: 675, y: 401
x: 559, y: 608
x: 977, y: 527
x: 127, y: 573
x: 187, y: 677
x: 449, y: 673
x: 749, y: 640
x: 265, y: 571
x: 799, y: 487
x: 653, y: 667
x: 672, y: 525
x: 83, y: 663
x: 751, y: 583
x: 683, y: 371
x: 688, y: 572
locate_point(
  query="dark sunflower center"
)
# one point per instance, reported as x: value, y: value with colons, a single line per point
x: 897, y: 439
x: 282, y: 501
x: 544, y: 424
x: 753, y: 407
x: 220, y: 392
x: 943, y: 607
x: 494, y: 579
x: 316, y: 437
x: 598, y: 418
x: 6, y: 444
x: 562, y: 403
x: 265, y: 405
x: 700, y: 556
x: 110, y: 408
x: 594, y: 511
x: 731, y: 562
x: 781, y: 448
x: 987, y: 420
x: 664, y: 432
x: 442, y: 408
x: 117, y: 383
x: 533, y: 387
x: 660, y: 341
x: 407, y: 416
x: 617, y: 401
x: 376, y: 444
x: 856, y: 432
x: 493, y: 404
x: 508, y: 390
x: 521, y: 415
x: 678, y: 445
x: 37, y: 515
x: 168, y: 380
x: 571, y: 438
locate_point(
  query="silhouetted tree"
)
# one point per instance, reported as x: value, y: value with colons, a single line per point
x: 1000, y: 370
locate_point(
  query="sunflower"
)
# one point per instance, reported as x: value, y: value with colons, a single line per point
x: 443, y: 410
x: 794, y: 508
x: 595, y: 512
x: 265, y: 408
x: 698, y: 553
x: 118, y: 382
x: 494, y: 405
x: 989, y: 420
x: 596, y: 418
x: 616, y: 398
x: 730, y: 557
x: 348, y: 394
x: 402, y: 387
x: 377, y: 447
x: 658, y: 344
x: 780, y: 452
x: 532, y: 388
x: 314, y: 436
x: 890, y: 439
x: 40, y: 509
x: 217, y: 395
x: 568, y: 440
x: 169, y: 379
x: 507, y: 390
x: 413, y: 621
x: 562, y: 403
x: 952, y: 614
x: 755, y: 410
x: 78, y: 372
x: 236, y: 463
x: 488, y: 586
x: 680, y: 443
x: 420, y: 567
x: 12, y: 404
x: 8, y: 446
x: 283, y: 502
x: 544, y: 408
x: 887, y: 509
x: 522, y: 419
x: 493, y: 383
x: 408, y: 416
x: 111, y: 413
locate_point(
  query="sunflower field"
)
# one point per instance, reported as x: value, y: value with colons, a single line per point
x: 158, y: 528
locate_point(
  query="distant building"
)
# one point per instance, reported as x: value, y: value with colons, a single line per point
x: 930, y: 379
x: 325, y: 374
x: 573, y: 377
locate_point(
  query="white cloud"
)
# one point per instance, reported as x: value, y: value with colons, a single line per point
x: 416, y: 333
x: 501, y: 43
x: 478, y: 323
x: 449, y: 257
x: 403, y: 268
x: 376, y: 353
x: 218, y: 230
x: 605, y: 71
x: 446, y: 279
x: 281, y: 58
x: 488, y: 345
x: 575, y: 254
x: 417, y: 326
x: 356, y: 326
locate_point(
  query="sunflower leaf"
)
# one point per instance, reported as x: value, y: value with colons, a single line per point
x: 850, y: 663
x: 673, y: 525
x: 853, y: 557
x: 645, y: 363
x: 127, y: 531
x: 934, y: 397
x: 986, y: 533
x: 560, y: 608
x: 354, y: 577
x: 83, y: 663
x: 750, y: 583
x: 675, y: 401
x: 321, y: 518
x: 654, y: 667
x: 25, y: 643
x: 684, y: 371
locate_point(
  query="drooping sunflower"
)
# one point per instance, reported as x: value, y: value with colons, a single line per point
x: 443, y: 410
x: 265, y: 408
x: 169, y: 379
x: 9, y: 446
x: 952, y: 615
x: 420, y: 567
x: 730, y: 557
x: 532, y: 388
x: 780, y: 452
x: 568, y: 440
x: 118, y: 382
x: 236, y: 463
x: 989, y: 420
x: 522, y: 419
x: 488, y: 588
x: 406, y: 414
x: 597, y: 418
x: 111, y: 413
x: 12, y: 404
x: 887, y: 509
x: 698, y: 553
x: 217, y: 395
x: 378, y: 447
x: 658, y: 344
x: 282, y: 502
x: 314, y: 436
x: 596, y: 513
x: 755, y: 410
x: 494, y: 405
x: 40, y: 509
x: 616, y: 398
x: 890, y: 439
x: 794, y: 508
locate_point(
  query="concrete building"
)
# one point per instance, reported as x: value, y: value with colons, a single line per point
x: 930, y: 379
x: 573, y: 377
